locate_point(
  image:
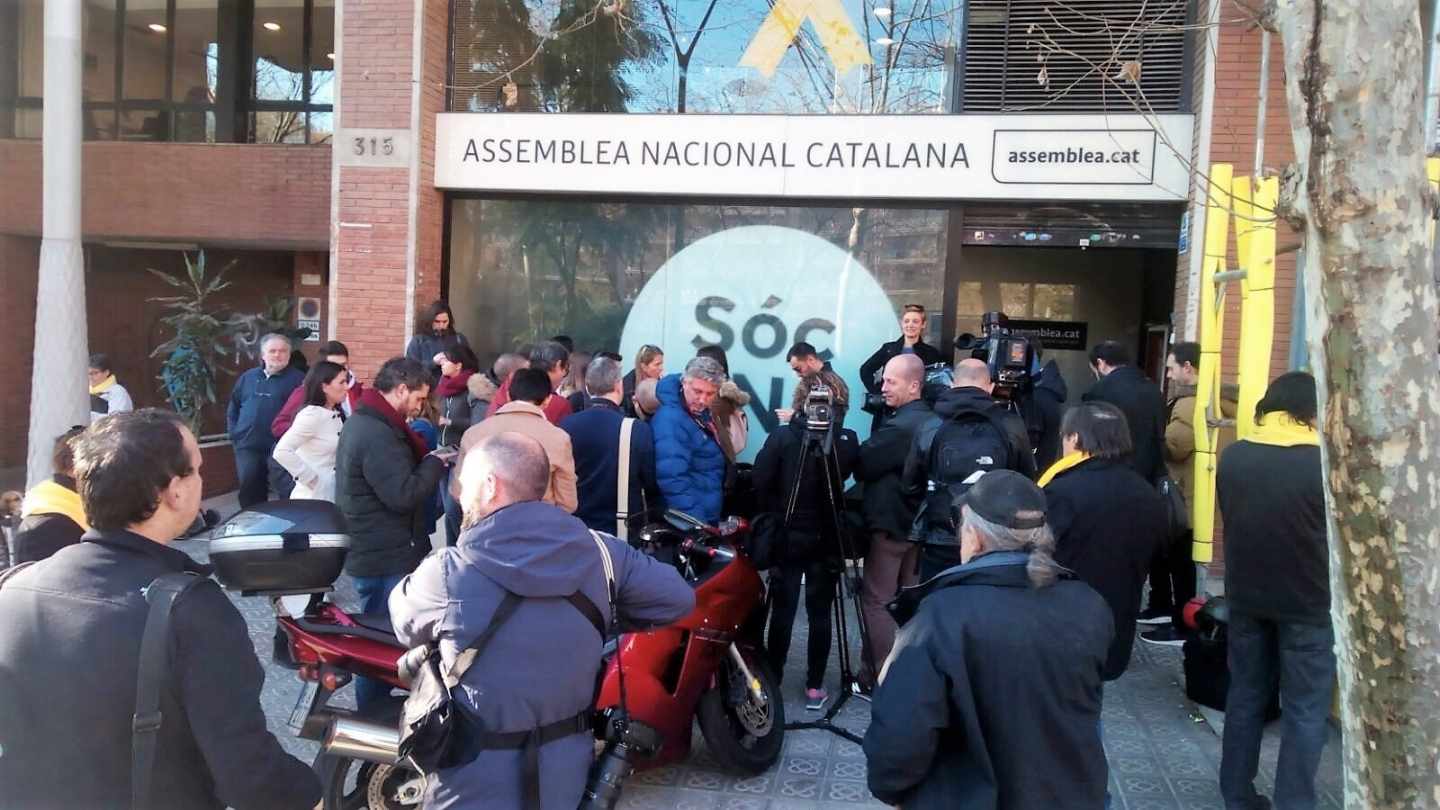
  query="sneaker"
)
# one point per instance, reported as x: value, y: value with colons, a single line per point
x: 815, y: 699
x: 1154, y: 616
x: 1165, y: 636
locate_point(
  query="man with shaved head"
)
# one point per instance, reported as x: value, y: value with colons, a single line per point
x: 531, y: 577
x: 890, y: 562
x: 968, y: 435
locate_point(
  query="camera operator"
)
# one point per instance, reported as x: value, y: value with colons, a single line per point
x: 811, y: 546
x: 968, y: 435
x: 912, y: 328
x: 1042, y: 406
x: 890, y: 562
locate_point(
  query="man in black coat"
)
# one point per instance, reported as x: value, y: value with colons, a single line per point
x: 1123, y: 385
x: 70, y: 638
x: 1108, y: 521
x: 969, y: 434
x: 888, y: 512
x: 595, y: 443
x: 991, y: 698
x: 384, y: 480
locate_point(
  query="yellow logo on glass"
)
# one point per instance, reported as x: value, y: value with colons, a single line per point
x: 837, y: 35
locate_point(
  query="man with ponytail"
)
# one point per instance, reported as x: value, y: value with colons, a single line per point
x: 991, y: 696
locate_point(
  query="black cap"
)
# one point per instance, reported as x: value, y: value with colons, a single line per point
x: 1000, y: 495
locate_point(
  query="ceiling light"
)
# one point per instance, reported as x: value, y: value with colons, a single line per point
x: 330, y: 56
x: 157, y: 28
x: 271, y: 26
x: 885, y: 41
x: 882, y: 12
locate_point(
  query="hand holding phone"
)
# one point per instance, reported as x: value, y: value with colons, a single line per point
x: 447, y: 453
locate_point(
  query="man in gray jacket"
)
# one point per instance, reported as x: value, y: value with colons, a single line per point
x: 538, y: 671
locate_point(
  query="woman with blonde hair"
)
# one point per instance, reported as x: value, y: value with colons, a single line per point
x: 649, y: 365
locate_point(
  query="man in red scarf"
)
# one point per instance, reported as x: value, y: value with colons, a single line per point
x: 384, y: 478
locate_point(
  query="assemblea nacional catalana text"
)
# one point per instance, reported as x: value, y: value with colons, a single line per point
x: 740, y: 154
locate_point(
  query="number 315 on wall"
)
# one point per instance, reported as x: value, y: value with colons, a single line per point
x: 374, y: 147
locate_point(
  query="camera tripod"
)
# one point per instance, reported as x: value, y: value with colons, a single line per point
x: 820, y: 444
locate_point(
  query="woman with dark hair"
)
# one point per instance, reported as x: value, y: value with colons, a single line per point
x: 649, y: 365
x: 911, y: 341
x: 434, y: 333
x: 307, y: 450
x: 456, y: 408
x: 1108, y: 521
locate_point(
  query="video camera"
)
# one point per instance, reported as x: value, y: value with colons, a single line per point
x: 819, y: 409
x: 1009, y: 356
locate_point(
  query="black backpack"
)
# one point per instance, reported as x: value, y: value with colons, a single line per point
x: 964, y: 447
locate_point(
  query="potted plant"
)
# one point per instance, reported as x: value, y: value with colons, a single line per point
x: 202, y: 337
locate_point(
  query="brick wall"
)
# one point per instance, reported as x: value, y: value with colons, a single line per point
x: 19, y: 265
x: 236, y: 194
x: 374, y: 245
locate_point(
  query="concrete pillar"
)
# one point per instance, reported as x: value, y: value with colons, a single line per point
x: 59, y: 393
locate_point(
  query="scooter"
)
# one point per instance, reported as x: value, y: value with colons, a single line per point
x: 707, y: 667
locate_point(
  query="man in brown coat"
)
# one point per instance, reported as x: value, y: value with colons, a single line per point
x: 1173, y: 579
x: 525, y: 414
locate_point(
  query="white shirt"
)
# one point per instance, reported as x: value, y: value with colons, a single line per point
x: 307, y: 452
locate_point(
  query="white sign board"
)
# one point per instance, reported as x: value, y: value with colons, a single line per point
x: 918, y: 157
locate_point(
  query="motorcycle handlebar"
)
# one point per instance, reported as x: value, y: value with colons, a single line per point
x: 692, y: 545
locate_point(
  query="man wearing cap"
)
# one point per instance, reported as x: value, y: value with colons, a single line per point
x: 991, y: 696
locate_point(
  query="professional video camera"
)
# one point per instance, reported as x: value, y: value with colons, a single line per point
x: 819, y: 409
x: 1009, y: 355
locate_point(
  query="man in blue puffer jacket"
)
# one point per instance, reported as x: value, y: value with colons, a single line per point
x: 689, y: 464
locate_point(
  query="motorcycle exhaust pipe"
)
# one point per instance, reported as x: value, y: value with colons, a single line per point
x: 362, y: 740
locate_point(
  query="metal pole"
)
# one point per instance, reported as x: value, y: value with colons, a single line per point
x: 59, y: 394
x: 1264, y: 97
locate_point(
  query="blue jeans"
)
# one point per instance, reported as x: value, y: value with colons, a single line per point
x: 1302, y: 658
x: 374, y: 599
x: 453, y: 512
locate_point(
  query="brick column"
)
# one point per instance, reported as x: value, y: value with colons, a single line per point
x: 386, y: 216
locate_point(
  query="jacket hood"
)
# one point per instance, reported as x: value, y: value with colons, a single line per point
x: 531, y: 549
x: 732, y: 392
x: 668, y: 391
x: 954, y: 400
x: 1229, y: 396
x: 1050, y: 380
x: 481, y: 387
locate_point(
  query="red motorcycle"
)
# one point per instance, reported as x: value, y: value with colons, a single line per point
x: 708, y: 666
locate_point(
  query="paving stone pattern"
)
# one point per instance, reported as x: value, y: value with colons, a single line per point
x: 1163, y: 753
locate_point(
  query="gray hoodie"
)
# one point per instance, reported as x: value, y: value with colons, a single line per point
x: 540, y: 667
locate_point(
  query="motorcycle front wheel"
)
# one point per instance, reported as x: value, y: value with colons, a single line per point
x: 743, y: 732
x: 353, y: 784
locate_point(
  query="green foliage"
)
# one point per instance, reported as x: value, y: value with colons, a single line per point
x: 202, y: 335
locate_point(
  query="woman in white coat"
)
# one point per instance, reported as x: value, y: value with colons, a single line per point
x: 307, y: 450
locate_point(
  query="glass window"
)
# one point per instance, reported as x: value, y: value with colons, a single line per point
x: 197, y: 52
x: 147, y: 38
x: 754, y: 279
x: 101, y: 21
x: 739, y: 56
x: 30, y: 76
x: 278, y: 35
x: 277, y: 126
x: 322, y: 127
x: 322, y: 52
x: 144, y: 125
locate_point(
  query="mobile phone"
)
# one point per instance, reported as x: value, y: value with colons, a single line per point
x: 447, y: 454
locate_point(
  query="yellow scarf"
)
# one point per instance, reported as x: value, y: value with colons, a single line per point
x: 50, y: 498
x: 103, y: 386
x: 1283, y: 431
x: 1068, y: 462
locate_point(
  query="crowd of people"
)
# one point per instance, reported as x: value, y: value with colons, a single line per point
x: 1022, y: 531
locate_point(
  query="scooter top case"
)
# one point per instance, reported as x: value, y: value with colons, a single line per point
x: 281, y: 547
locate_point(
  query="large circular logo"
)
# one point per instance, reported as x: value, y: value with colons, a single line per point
x: 756, y: 291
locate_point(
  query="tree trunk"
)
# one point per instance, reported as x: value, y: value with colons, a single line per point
x: 1353, y: 82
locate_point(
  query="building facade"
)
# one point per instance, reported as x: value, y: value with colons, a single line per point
x: 643, y: 171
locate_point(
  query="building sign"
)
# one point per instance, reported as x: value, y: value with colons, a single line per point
x: 930, y: 157
x: 1053, y: 335
x: 756, y: 291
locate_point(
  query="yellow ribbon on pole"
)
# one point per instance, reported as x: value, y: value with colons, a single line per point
x: 837, y: 35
